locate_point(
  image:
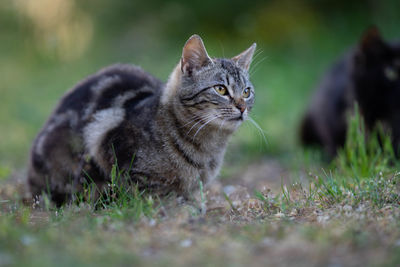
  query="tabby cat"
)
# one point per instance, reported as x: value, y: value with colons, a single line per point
x: 368, y: 75
x: 167, y: 136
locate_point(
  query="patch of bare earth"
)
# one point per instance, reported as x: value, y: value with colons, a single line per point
x: 231, y: 226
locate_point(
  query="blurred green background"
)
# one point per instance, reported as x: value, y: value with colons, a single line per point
x: 47, y: 46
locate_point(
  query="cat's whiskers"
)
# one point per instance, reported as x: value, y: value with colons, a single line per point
x: 195, y: 117
x: 191, y: 120
x: 257, y: 53
x: 201, y: 127
x: 261, y: 131
x: 226, y: 111
x: 200, y: 120
x: 255, y: 65
x: 222, y: 124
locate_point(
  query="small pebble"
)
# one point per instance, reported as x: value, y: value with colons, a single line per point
x: 152, y: 222
x: 229, y: 189
x: 186, y: 243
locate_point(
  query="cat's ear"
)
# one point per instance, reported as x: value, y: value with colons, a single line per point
x: 244, y: 59
x: 194, y: 55
x: 371, y: 43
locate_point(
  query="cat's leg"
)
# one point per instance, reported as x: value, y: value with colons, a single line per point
x: 394, y: 126
x: 309, y: 131
x: 318, y: 131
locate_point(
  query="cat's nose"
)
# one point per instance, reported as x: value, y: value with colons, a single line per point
x: 241, y: 105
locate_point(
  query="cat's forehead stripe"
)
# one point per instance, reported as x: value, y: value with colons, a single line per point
x: 232, y: 71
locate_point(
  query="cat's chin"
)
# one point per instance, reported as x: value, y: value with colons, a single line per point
x: 230, y: 125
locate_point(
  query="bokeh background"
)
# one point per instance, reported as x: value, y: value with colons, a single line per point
x: 47, y: 46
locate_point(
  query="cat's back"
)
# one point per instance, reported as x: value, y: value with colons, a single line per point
x: 331, y: 91
x: 111, y: 87
x: 97, y: 104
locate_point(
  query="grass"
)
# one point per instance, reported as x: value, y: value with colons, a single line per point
x: 336, y: 216
x: 362, y: 156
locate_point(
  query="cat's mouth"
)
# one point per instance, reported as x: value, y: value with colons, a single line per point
x: 238, y: 118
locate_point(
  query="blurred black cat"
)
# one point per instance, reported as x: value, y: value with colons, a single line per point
x: 369, y: 75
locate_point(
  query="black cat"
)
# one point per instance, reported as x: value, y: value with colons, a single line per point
x: 369, y: 75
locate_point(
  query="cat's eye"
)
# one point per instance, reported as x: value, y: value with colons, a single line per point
x: 221, y: 89
x: 391, y: 74
x: 246, y: 92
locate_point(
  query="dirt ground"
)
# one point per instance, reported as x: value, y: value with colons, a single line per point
x: 228, y: 226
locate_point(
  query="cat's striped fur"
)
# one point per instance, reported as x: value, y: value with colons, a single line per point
x: 167, y: 135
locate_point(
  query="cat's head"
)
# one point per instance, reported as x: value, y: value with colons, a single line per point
x: 216, y: 91
x: 376, y: 70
